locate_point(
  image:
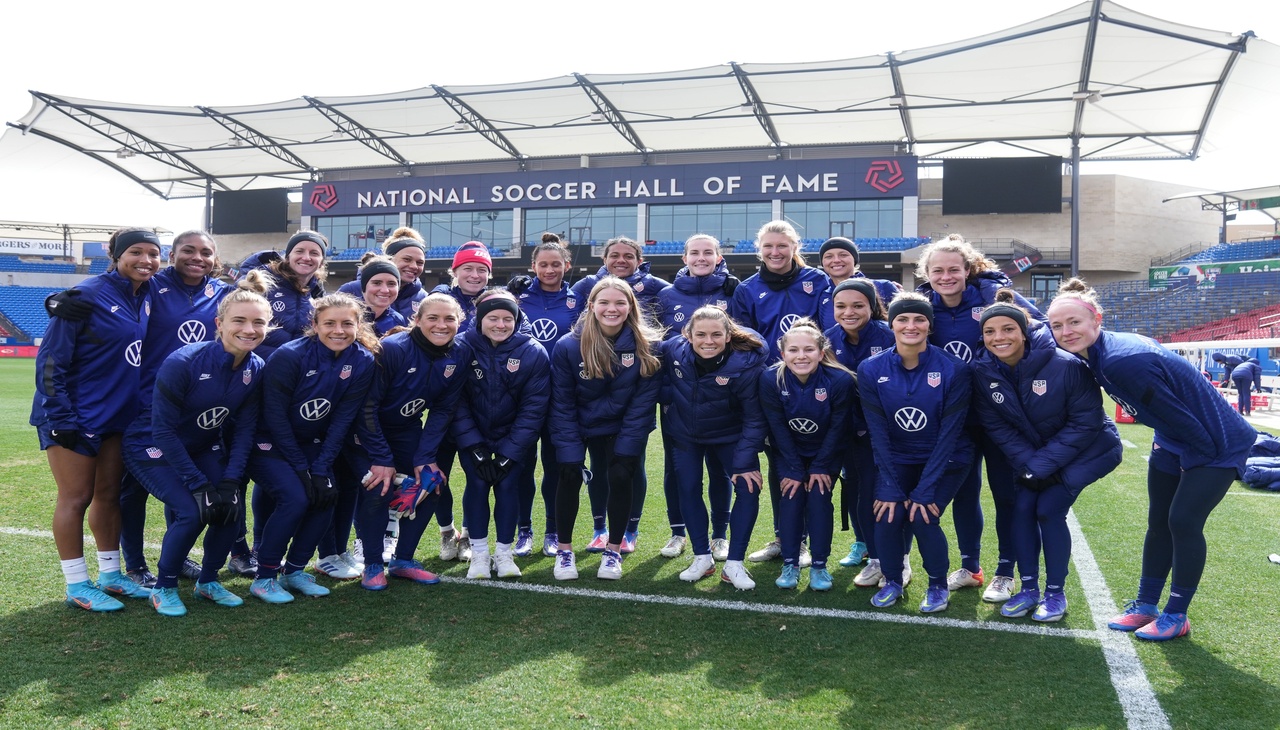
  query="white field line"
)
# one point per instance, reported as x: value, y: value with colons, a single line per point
x: 1254, y: 494
x: 1128, y: 444
x: 776, y: 609
x: 1137, y: 698
x: 88, y: 538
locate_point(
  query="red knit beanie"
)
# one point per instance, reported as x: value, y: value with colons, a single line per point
x: 472, y: 252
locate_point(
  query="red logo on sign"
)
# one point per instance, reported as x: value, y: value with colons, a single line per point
x: 324, y: 197
x: 885, y: 175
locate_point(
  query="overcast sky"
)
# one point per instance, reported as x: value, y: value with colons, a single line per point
x: 234, y: 53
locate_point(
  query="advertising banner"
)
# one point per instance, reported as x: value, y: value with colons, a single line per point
x: 888, y: 177
x: 1206, y: 275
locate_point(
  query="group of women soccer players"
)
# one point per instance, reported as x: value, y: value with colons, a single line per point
x: 349, y: 409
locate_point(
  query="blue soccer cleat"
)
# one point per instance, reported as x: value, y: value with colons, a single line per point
x: 374, y: 578
x: 819, y: 579
x: 790, y: 577
x: 1051, y: 609
x: 304, y: 583
x: 1167, y: 626
x: 887, y: 596
x: 1135, y: 616
x: 599, y: 541
x: 936, y: 599
x: 213, y: 591
x: 857, y: 554
x: 270, y: 591
x: 412, y: 570
x: 118, y: 585
x: 1022, y: 603
x: 167, y: 602
x: 87, y: 595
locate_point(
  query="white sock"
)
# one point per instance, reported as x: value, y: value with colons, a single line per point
x: 108, y: 561
x: 75, y: 570
x: 504, y: 547
x: 447, y: 529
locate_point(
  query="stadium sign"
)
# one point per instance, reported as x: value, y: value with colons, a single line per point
x: 1206, y: 275
x: 30, y: 247
x: 888, y: 177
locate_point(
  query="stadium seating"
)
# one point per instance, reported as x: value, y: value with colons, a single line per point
x: 24, y: 306
x: 1257, y: 323
x: 47, y: 265
x: 98, y: 266
x: 1133, y: 307
x: 1252, y: 250
x: 813, y: 245
x: 349, y: 254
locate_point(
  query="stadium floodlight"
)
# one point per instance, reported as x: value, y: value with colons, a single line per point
x: 1090, y: 96
x: 597, y: 117
x: 124, y: 153
x: 897, y: 101
x: 461, y: 126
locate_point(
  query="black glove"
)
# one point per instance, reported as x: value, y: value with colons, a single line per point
x: 518, y: 283
x: 68, y: 304
x: 483, y: 465
x: 213, y: 505
x: 323, y: 494
x: 66, y: 438
x: 731, y: 283
x: 501, y: 467
x: 623, y: 469
x: 1037, y: 484
x: 228, y: 493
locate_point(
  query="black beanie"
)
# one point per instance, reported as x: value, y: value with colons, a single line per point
x: 311, y: 236
x: 403, y: 242
x: 1004, y: 309
x: 375, y: 267
x: 904, y: 305
x: 125, y: 240
x: 839, y: 242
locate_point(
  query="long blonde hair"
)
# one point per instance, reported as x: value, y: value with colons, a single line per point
x: 598, y: 356
x: 806, y: 326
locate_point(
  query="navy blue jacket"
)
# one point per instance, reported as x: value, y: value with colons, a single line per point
x: 956, y: 329
x: 808, y: 422
x: 180, y: 315
x: 310, y: 399
x: 619, y: 405
x: 1046, y: 415
x: 551, y: 315
x: 408, y: 381
x: 645, y: 285
x: 916, y: 416
x: 771, y: 313
x: 721, y: 407
x: 88, y: 372
x: 1246, y: 374
x: 290, y: 311
x: 680, y: 300
x: 406, y: 302
x: 505, y: 393
x: 202, y: 402
x: 1167, y: 393
x: 884, y: 287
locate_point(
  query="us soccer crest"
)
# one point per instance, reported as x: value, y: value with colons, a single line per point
x: 148, y: 306
x: 571, y: 303
x: 448, y: 370
x: 154, y: 453
x: 513, y: 364
x: 820, y: 394
x: 639, y: 287
x: 1039, y: 387
x: 876, y: 350
x: 977, y: 313
x: 721, y: 380
x: 722, y: 304
x: 346, y: 372
x: 808, y: 287
x: 628, y: 359
x: 248, y: 376
x: 935, y: 379
x: 208, y: 290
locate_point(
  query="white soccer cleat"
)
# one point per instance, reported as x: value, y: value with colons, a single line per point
x: 566, y: 566
x: 770, y: 551
x: 999, y: 590
x: 735, y: 574
x: 335, y: 567
x: 674, y: 546
x: 720, y: 549
x: 703, y: 566
x: 870, y: 574
x: 505, y: 564
x: 610, y: 566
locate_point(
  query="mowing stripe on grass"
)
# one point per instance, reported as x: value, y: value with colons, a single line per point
x: 88, y: 538
x: 1128, y: 444
x: 1137, y: 698
x: 1255, y: 494
x: 777, y: 609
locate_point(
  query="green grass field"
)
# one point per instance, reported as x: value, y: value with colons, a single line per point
x: 475, y: 655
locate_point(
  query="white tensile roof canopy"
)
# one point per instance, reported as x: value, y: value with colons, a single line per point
x: 1122, y: 85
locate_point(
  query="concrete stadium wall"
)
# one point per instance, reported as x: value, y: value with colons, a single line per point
x: 1123, y: 224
